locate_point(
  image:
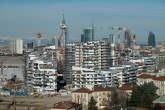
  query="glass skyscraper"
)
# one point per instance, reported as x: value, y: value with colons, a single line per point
x: 88, y: 35
x: 151, y: 39
x: 127, y: 39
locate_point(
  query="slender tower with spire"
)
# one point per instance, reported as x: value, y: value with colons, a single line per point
x: 63, y: 38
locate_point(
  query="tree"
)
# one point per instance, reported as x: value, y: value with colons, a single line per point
x: 60, y: 68
x: 117, y: 97
x: 92, y: 104
x: 143, y: 95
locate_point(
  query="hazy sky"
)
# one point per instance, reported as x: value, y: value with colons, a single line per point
x: 22, y: 18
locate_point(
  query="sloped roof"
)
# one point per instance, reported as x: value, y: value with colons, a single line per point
x: 161, y: 99
x: 82, y: 90
x: 128, y: 87
x: 160, y: 78
x: 95, y: 89
x: 65, y: 105
x: 148, y: 76
x: 100, y: 88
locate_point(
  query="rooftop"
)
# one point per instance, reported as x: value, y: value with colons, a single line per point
x: 100, y: 88
x: 147, y: 76
x: 65, y: 105
x: 128, y: 87
x: 95, y: 89
x: 82, y: 90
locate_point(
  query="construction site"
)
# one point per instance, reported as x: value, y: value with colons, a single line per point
x: 31, y: 102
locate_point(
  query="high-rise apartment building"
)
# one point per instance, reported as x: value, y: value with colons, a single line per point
x: 69, y: 61
x: 94, y: 54
x: 16, y: 46
x: 151, y: 39
x: 41, y: 70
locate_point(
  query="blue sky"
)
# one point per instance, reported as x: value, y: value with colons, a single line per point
x: 21, y: 18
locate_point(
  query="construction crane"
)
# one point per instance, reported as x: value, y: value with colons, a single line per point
x: 118, y: 29
x: 39, y: 35
x: 134, y: 43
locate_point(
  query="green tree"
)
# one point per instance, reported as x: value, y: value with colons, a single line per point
x: 60, y: 68
x: 117, y: 97
x: 143, y: 95
x: 92, y: 104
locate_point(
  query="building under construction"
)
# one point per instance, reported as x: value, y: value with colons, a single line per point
x: 41, y: 70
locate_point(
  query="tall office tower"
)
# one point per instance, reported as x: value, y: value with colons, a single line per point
x: 63, y: 39
x: 69, y: 61
x: 111, y: 39
x: 151, y: 39
x: 127, y: 38
x: 88, y: 35
x: 82, y: 38
x: 94, y: 55
x: 30, y: 45
x: 16, y: 46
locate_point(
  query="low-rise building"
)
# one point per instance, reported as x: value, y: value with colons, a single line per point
x: 128, y: 89
x: 159, y: 82
x: 125, y: 73
x: 66, y: 105
x: 83, y: 96
x: 84, y: 77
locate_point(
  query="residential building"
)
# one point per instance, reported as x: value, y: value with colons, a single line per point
x: 16, y: 46
x: 41, y: 76
x: 160, y: 58
x: 125, y: 73
x: 94, y: 55
x: 159, y: 82
x: 150, y: 63
x: 83, y: 96
x: 41, y: 70
x: 66, y: 105
x: 85, y: 77
x: 147, y: 63
x: 69, y: 61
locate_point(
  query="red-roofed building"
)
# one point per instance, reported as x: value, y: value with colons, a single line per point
x: 82, y: 90
x: 128, y: 89
x: 83, y: 95
x: 159, y: 82
x: 67, y: 105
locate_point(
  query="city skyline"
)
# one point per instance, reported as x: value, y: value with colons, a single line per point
x: 20, y: 18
